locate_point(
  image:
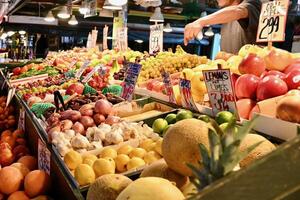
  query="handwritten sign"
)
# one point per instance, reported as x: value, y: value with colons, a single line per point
x: 131, y: 76
x: 186, y: 94
x: 272, y: 21
x: 122, y: 35
x: 90, y: 74
x: 105, y: 34
x: 220, y: 90
x: 21, y: 121
x: 156, y: 38
x: 81, y: 69
x: 168, y: 86
x: 11, y: 94
x: 44, y: 157
x: 118, y: 23
x: 71, y: 65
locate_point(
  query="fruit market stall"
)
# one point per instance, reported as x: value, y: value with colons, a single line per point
x: 76, y: 105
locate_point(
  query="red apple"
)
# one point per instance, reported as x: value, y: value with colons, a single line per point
x: 159, y: 87
x: 275, y: 73
x: 293, y: 79
x: 270, y: 86
x: 246, y: 85
x: 292, y: 67
x: 244, y: 107
x: 75, y: 88
x: 278, y: 59
x: 252, y: 64
x: 255, y: 109
x: 234, y: 78
x: 120, y: 60
x: 16, y: 71
x: 24, y: 69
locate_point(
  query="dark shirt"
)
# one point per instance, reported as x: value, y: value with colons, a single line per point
x: 236, y: 34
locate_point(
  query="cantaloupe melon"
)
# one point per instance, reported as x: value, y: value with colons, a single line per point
x: 260, y: 151
x: 10, y: 180
x: 29, y: 161
x: 161, y: 169
x: 151, y: 188
x: 108, y: 187
x: 36, y: 183
x: 181, y: 144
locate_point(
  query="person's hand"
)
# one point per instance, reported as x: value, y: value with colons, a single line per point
x: 192, y: 30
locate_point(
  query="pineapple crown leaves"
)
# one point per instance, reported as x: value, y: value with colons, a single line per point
x: 223, y: 154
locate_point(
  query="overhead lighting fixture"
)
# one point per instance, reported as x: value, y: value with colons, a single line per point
x: 109, y: 6
x: 209, y: 32
x: 157, y: 16
x: 73, y: 20
x: 118, y: 2
x: 63, y: 13
x: 168, y: 28
x: 84, y: 8
x: 10, y: 33
x: 22, y: 32
x: 139, y: 41
x: 49, y: 17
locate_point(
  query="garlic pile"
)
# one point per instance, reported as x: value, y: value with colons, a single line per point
x: 98, y: 137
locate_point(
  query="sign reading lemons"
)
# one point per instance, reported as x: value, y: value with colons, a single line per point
x: 272, y: 21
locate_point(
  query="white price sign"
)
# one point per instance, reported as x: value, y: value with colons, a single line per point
x: 156, y: 38
x: 220, y: 90
x: 122, y: 36
x: 105, y: 33
x: 272, y: 21
x: 44, y: 157
x: 21, y: 122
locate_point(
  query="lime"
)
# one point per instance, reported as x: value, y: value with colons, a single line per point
x: 171, y: 118
x: 224, y: 126
x: 159, y: 125
x: 165, y: 130
x: 184, y: 114
x: 224, y: 116
x: 204, y: 118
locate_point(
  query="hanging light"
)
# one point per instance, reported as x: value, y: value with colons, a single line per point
x: 22, y: 32
x: 10, y: 33
x: 73, y: 20
x: 157, y: 16
x: 209, y: 32
x: 49, y: 17
x: 139, y: 41
x: 118, y: 2
x: 108, y: 6
x: 168, y: 28
x: 63, y: 13
x: 84, y: 8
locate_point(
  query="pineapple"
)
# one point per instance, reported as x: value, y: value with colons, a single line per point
x: 222, y: 156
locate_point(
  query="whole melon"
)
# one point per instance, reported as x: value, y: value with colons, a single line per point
x: 260, y: 151
x: 36, y: 183
x: 29, y: 161
x: 161, y: 169
x: 10, y: 180
x: 108, y: 187
x: 181, y: 144
x: 151, y: 188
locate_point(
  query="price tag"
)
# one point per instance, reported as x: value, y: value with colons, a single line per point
x: 44, y: 157
x: 186, y: 94
x: 71, y: 65
x: 272, y: 21
x: 10, y: 95
x: 220, y: 90
x: 168, y: 86
x: 105, y: 33
x: 21, y: 122
x: 156, y: 38
x: 122, y: 43
x: 81, y: 69
x: 118, y: 23
x: 89, y: 75
x: 131, y: 76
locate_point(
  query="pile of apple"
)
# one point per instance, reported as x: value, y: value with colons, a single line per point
x: 265, y: 77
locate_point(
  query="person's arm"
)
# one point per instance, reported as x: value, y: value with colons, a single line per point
x: 222, y: 16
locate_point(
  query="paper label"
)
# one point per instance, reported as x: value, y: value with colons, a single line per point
x: 168, y: 87
x: 118, y: 23
x: 81, y: 69
x: 122, y: 43
x: 272, y: 21
x: 44, y: 157
x: 220, y: 90
x: 71, y: 65
x: 11, y: 94
x: 186, y: 95
x: 156, y: 38
x: 21, y: 121
x: 90, y: 74
x: 105, y: 33
x: 131, y: 76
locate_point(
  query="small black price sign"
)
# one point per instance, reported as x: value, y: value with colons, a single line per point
x: 272, y: 21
